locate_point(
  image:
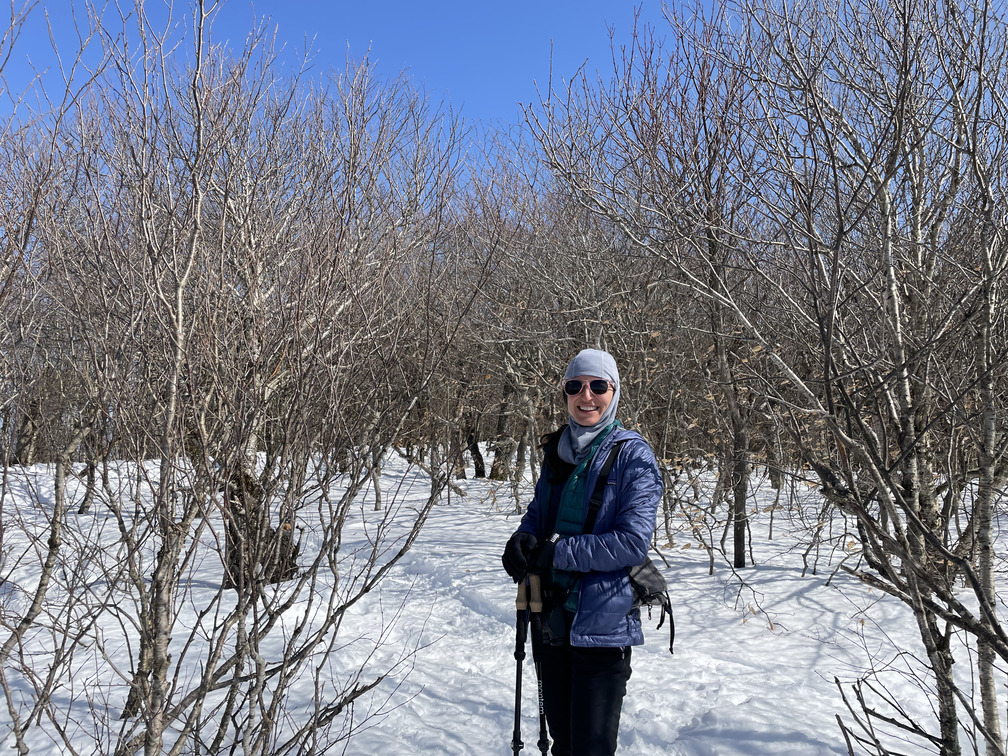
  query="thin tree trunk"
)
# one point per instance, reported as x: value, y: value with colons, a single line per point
x: 740, y: 492
x: 479, y: 464
x: 375, y: 470
x: 941, y: 661
x: 503, y: 443
x: 983, y: 515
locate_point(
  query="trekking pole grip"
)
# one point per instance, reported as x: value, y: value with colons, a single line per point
x: 522, y: 599
x: 535, y: 588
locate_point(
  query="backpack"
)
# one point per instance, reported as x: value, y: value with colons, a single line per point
x: 646, y: 580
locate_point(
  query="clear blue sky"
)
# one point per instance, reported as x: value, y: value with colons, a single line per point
x: 483, y: 56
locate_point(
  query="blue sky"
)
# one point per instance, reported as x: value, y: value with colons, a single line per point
x: 483, y: 56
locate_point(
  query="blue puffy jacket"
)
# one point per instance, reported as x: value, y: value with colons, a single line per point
x: 621, y: 539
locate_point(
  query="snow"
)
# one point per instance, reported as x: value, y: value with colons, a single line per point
x: 755, y: 658
x: 756, y: 650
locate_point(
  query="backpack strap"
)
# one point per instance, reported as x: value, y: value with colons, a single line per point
x: 595, y: 503
x: 649, y: 588
x: 666, y: 608
x: 666, y: 612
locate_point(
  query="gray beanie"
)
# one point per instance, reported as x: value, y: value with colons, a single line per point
x: 593, y: 362
x: 576, y: 441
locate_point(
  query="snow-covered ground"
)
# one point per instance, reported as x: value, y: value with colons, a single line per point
x: 756, y: 650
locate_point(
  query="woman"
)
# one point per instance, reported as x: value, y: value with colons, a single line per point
x: 589, y: 623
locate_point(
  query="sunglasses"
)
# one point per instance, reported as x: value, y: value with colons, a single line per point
x: 573, y: 388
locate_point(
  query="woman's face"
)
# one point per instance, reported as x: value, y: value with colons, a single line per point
x: 587, y: 407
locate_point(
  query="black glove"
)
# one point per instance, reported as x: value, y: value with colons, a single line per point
x: 540, y: 561
x: 516, y: 554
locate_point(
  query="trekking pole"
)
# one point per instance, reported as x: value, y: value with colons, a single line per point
x: 521, y: 633
x: 535, y: 610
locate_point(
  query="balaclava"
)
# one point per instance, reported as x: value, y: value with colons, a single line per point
x: 576, y: 441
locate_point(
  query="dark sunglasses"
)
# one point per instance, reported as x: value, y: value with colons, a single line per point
x: 573, y: 388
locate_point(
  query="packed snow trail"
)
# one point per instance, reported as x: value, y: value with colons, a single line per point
x: 752, y: 672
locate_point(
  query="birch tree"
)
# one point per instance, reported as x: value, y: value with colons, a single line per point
x: 863, y: 156
x: 241, y: 255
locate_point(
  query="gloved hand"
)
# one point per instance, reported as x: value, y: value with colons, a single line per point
x: 540, y: 561
x: 516, y: 554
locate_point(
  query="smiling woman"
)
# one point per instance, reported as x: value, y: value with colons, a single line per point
x: 581, y: 545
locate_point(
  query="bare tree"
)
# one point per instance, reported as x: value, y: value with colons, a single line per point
x: 245, y: 281
x: 862, y: 158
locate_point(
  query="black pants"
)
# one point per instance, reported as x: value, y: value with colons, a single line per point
x: 583, y: 690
